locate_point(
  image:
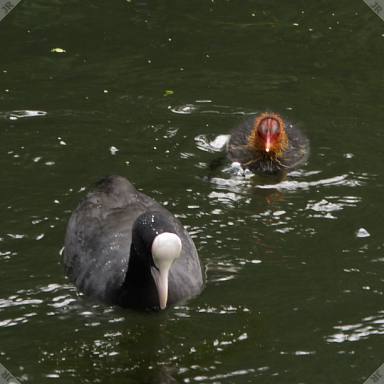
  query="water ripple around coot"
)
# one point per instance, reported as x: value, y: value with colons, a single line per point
x: 22, y: 114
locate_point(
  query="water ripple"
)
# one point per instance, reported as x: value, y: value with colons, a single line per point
x: 325, y: 206
x: 371, y: 325
x: 238, y: 187
x: 207, y: 107
x: 347, y: 180
x: 241, y: 372
x: 22, y: 114
x: 215, y: 145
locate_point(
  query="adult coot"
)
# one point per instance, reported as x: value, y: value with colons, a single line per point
x: 124, y: 248
x: 267, y: 144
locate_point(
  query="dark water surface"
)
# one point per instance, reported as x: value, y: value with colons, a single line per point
x: 294, y: 294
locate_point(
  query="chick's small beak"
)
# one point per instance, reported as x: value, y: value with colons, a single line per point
x: 161, y: 280
x: 268, y: 143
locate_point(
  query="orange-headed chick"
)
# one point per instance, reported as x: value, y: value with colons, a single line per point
x: 266, y: 144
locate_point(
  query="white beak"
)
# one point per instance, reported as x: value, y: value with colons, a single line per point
x: 166, y: 247
x: 161, y: 281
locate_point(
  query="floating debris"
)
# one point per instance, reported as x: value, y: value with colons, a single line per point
x: 168, y: 92
x: 58, y: 50
x: 362, y: 232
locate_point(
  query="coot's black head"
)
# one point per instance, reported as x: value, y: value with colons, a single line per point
x: 156, y: 243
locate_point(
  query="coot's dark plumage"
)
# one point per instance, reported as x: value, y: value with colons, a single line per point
x: 120, y: 245
x: 267, y: 144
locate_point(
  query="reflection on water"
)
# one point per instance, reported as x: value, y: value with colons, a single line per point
x: 342, y: 180
x: 217, y: 144
x: 207, y: 107
x: 16, y: 115
x: 369, y: 326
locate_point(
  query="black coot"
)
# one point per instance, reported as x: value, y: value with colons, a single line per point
x: 266, y: 144
x: 122, y: 247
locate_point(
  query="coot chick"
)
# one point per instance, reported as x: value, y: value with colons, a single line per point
x: 124, y: 248
x: 266, y: 144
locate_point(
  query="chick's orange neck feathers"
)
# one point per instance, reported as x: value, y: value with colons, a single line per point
x: 268, y: 135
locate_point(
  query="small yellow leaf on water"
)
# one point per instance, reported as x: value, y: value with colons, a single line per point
x: 58, y: 50
x: 168, y: 92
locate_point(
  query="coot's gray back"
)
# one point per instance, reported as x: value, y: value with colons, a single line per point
x: 98, y: 243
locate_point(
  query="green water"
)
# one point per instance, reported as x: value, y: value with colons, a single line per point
x: 293, y: 295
